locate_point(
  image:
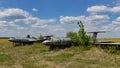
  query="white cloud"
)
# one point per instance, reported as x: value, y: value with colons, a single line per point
x: 105, y: 27
x: 98, y: 8
x: 3, y: 23
x: 14, y: 20
x: 91, y: 22
x: 56, y: 28
x: 35, y: 20
x: 114, y: 26
x: 71, y: 19
x: 94, y: 22
x: 13, y: 13
x: 18, y: 20
x: 115, y: 9
x: 94, y: 19
x: 42, y: 22
x: 97, y: 19
x: 108, y: 27
x: 116, y: 21
x: 7, y: 24
x: 102, y: 8
x: 16, y: 15
x: 34, y: 9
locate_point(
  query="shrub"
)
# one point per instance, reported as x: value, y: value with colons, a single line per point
x: 112, y: 49
x: 80, y: 37
x: 41, y: 37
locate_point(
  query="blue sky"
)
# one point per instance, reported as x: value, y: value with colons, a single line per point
x: 56, y: 17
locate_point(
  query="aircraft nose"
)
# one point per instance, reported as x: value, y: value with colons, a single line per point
x: 46, y: 41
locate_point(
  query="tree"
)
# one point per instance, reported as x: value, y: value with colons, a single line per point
x: 41, y: 37
x: 80, y: 37
x: 83, y: 38
x: 70, y: 34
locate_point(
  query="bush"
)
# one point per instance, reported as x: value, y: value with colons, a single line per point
x: 41, y: 37
x: 112, y: 49
x: 80, y: 37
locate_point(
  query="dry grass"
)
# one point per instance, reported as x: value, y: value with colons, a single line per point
x: 4, y: 41
x: 109, y: 39
x: 39, y: 56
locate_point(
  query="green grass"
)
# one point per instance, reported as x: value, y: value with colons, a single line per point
x: 39, y: 56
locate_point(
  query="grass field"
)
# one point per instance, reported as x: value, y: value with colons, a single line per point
x: 39, y: 56
x: 109, y: 39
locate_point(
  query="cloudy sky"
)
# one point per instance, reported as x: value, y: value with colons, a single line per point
x: 56, y: 17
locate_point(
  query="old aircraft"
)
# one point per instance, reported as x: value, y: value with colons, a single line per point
x: 58, y: 43
x: 22, y: 41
